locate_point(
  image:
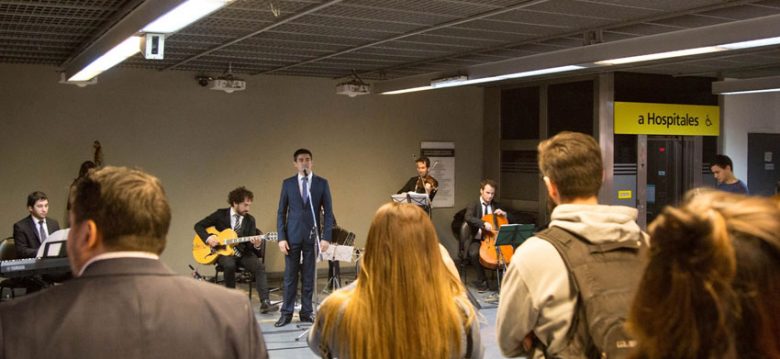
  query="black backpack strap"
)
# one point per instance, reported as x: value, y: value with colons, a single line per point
x: 562, y: 240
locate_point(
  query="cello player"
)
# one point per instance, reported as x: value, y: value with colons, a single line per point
x: 474, y: 213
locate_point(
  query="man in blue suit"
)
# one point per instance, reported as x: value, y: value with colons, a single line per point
x: 304, y: 196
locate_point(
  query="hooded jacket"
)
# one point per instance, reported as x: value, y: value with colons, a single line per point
x: 536, y: 294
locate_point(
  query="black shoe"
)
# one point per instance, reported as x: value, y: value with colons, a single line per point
x: 306, y: 318
x: 266, y: 306
x: 480, y: 285
x: 283, y: 320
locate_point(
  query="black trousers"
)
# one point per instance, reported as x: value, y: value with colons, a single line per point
x: 292, y: 267
x: 251, y: 263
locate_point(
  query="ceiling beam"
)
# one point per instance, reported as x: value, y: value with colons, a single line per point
x: 745, y: 30
x: 647, y: 19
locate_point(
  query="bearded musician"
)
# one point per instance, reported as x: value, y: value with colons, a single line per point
x: 423, y: 182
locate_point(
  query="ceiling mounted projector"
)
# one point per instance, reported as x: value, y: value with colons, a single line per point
x: 226, y: 82
x: 354, y: 87
x: 228, y: 85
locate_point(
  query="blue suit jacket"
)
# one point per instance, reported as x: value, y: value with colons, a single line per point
x: 294, y: 218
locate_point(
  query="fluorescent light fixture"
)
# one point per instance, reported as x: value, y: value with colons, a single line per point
x: 462, y: 79
x: 449, y: 81
x: 752, y: 43
x: 746, y: 86
x: 551, y: 70
x: 183, y: 15
x: 661, y: 55
x: 413, y: 89
x: 750, y: 91
x: 127, y: 48
x: 516, y: 75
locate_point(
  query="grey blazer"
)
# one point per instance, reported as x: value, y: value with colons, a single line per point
x: 131, y: 308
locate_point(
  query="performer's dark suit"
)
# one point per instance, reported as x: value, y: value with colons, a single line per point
x: 130, y: 308
x: 26, y: 237
x: 414, y: 185
x: 474, y: 213
x: 294, y: 223
x: 247, y: 255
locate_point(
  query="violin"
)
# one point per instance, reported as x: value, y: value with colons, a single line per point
x: 491, y: 256
x: 428, y: 182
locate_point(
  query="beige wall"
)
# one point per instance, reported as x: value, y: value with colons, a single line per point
x: 743, y: 114
x: 203, y: 143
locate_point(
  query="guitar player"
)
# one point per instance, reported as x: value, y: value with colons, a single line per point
x: 238, y: 218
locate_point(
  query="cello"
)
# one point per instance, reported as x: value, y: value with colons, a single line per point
x: 489, y: 256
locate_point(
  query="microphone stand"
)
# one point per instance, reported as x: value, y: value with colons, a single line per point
x: 318, y: 255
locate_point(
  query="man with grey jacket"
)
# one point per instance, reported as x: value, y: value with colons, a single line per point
x: 538, y: 306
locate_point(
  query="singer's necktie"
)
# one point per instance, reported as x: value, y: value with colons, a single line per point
x: 484, y: 210
x: 305, y: 194
x: 42, y: 230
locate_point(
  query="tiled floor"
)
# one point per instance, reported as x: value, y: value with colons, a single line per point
x: 283, y: 342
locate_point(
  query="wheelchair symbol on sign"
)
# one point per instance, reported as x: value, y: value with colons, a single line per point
x: 708, y: 122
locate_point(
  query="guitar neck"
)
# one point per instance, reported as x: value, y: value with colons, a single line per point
x: 262, y: 237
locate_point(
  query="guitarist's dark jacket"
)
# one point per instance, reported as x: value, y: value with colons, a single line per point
x: 220, y: 220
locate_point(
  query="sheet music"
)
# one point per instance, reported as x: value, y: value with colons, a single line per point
x: 420, y: 199
x: 339, y: 253
x: 54, y: 249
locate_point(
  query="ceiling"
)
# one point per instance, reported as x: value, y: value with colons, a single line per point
x: 383, y: 39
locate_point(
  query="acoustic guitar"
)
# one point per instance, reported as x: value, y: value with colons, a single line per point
x: 205, y: 254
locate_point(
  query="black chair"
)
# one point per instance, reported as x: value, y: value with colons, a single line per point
x: 242, y: 275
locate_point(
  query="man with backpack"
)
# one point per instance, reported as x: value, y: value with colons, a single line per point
x: 568, y: 289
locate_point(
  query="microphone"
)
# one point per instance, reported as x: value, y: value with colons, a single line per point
x: 305, y: 173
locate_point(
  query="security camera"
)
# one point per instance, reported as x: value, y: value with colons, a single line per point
x: 203, y: 80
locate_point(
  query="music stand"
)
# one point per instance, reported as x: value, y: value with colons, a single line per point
x: 420, y: 199
x: 510, y: 235
x: 340, y: 237
x: 54, y: 244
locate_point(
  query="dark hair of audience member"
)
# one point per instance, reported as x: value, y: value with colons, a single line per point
x: 712, y: 284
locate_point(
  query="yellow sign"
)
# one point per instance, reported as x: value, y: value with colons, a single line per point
x: 635, y: 118
x: 625, y: 194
